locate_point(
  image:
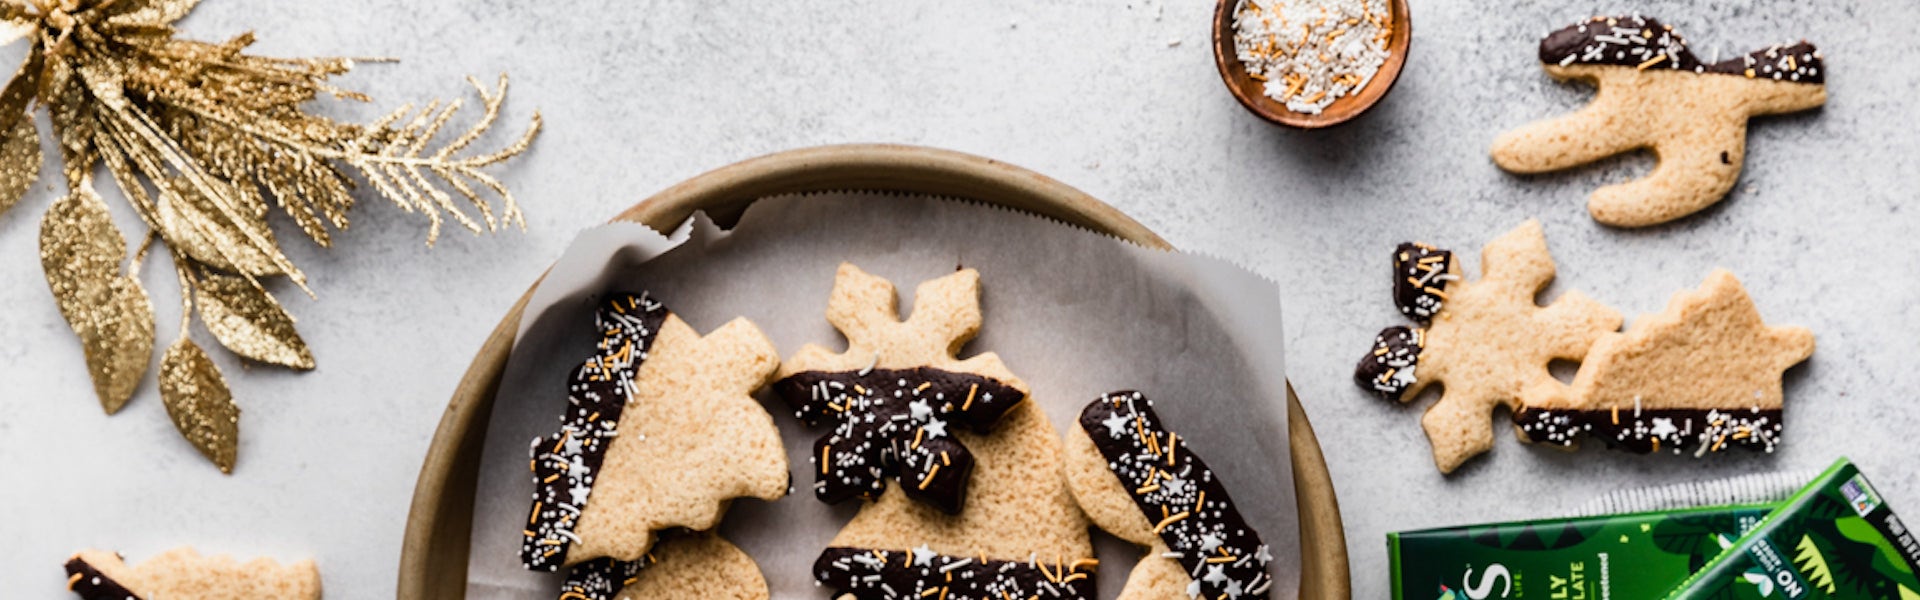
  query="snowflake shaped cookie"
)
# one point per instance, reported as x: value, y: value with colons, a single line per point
x: 1487, y: 346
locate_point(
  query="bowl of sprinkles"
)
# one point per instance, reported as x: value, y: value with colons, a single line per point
x: 1310, y: 63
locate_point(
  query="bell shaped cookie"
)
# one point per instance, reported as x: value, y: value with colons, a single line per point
x: 958, y: 472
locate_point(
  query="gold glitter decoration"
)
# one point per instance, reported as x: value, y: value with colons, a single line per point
x: 19, y: 138
x: 199, y: 403
x: 203, y: 140
x: 248, y: 321
x: 81, y: 250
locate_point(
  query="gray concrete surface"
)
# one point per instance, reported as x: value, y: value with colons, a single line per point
x: 1118, y: 98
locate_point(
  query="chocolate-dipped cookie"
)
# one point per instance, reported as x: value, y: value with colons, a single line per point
x: 1656, y: 94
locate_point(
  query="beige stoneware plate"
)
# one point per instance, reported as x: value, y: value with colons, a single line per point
x: 433, y: 561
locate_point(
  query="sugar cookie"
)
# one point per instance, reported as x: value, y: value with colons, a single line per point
x: 694, y: 439
x: 692, y: 565
x: 1655, y: 94
x: 1014, y: 510
x: 1144, y: 484
x: 1488, y: 346
x: 184, y: 573
x: 1702, y: 376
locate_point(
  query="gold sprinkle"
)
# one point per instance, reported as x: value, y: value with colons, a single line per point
x: 970, y: 391
x: 923, y: 386
x: 550, y: 478
x: 532, y: 518
x: 1175, y: 518
x: 1652, y: 61
x: 826, y: 456
x: 929, y: 478
x: 1148, y: 489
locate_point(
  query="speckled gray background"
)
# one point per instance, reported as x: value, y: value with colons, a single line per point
x: 1118, y: 99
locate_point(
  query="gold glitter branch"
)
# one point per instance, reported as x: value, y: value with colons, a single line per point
x: 203, y: 140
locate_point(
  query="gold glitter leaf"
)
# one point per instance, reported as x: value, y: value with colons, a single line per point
x: 19, y: 138
x: 156, y: 13
x: 199, y: 402
x: 191, y: 223
x: 248, y: 321
x: 80, y: 251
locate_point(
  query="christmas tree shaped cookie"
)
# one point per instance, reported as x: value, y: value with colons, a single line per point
x: 1700, y: 377
x: 1144, y: 483
x: 184, y: 573
x: 660, y: 432
x: 1655, y: 94
x: 1488, y: 344
x: 959, y: 473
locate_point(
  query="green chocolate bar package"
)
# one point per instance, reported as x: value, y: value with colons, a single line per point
x: 1639, y: 556
x: 1835, y: 539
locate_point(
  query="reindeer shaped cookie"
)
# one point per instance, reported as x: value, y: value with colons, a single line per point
x: 661, y: 432
x: 1655, y: 94
x: 960, y: 474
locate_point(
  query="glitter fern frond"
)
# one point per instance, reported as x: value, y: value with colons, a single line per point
x: 203, y: 139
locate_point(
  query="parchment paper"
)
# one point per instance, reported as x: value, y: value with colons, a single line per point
x: 1074, y: 313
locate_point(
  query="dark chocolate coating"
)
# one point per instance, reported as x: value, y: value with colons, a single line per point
x: 1420, y: 276
x: 564, y: 463
x: 868, y: 574
x: 1388, y: 370
x: 1684, y: 430
x: 894, y: 423
x: 601, y: 578
x: 91, y: 584
x: 1186, y: 500
x: 1645, y: 43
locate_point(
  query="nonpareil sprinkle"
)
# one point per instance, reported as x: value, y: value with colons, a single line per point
x: 1310, y: 53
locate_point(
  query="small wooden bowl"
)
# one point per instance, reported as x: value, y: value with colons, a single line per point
x: 433, y: 557
x: 1248, y: 90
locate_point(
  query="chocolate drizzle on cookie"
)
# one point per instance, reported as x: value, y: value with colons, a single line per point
x: 1644, y: 43
x: 921, y: 573
x: 1390, y: 368
x: 1185, y: 500
x: 564, y: 463
x: 91, y: 584
x: 601, y: 578
x: 1420, y: 276
x: 898, y: 423
x: 1646, y: 431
